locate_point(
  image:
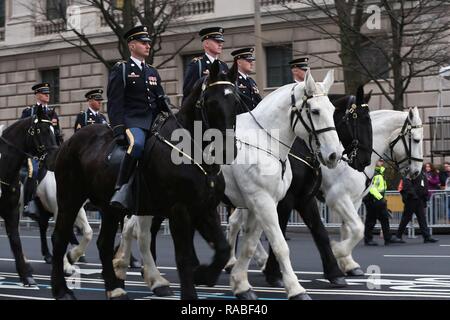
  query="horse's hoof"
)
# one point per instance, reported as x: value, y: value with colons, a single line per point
x: 122, y: 297
x: 164, y: 291
x: 357, y: 272
x: 275, y: 282
x: 69, y: 272
x: 121, y: 283
x: 48, y: 259
x: 29, y: 282
x: 228, y: 269
x: 301, y: 296
x: 338, y: 282
x: 247, y: 295
x: 202, y: 276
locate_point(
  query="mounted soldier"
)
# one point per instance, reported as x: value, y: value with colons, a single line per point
x: 42, y: 94
x: 135, y: 97
x: 244, y: 63
x: 92, y: 114
x: 298, y: 68
x: 212, y: 39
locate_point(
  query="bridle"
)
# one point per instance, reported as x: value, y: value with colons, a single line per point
x: 34, y: 133
x: 296, y: 115
x: 350, y: 119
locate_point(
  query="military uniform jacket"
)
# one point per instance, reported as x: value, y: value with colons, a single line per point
x: 87, y: 117
x: 249, y: 92
x: 133, y: 95
x: 198, y: 68
x: 51, y: 113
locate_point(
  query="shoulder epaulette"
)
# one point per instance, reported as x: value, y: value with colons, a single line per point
x: 195, y: 59
x: 149, y: 65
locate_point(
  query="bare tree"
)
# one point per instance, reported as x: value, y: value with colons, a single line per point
x: 410, y: 37
x: 120, y: 16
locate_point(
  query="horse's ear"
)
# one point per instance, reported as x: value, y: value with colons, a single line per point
x: 367, y: 97
x: 310, y: 84
x: 411, y: 114
x: 328, y: 81
x: 214, y: 71
x: 360, y: 95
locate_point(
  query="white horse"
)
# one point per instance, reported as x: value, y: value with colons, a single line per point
x: 394, y: 132
x: 260, y: 176
x: 255, y: 180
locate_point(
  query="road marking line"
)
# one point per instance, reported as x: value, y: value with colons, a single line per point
x: 413, y: 256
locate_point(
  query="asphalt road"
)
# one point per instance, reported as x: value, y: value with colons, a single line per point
x: 405, y: 271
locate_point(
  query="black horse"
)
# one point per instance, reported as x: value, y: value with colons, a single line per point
x: 187, y: 194
x: 354, y: 128
x: 32, y: 137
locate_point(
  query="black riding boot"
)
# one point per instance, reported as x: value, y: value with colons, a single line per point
x: 30, y: 208
x: 122, y: 198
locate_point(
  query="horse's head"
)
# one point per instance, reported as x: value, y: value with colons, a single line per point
x: 217, y: 106
x: 354, y: 128
x: 40, y: 135
x: 407, y: 147
x: 314, y: 111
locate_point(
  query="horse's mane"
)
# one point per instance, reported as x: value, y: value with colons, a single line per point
x: 195, y: 93
x: 18, y: 123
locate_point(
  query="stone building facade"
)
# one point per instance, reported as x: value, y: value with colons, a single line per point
x: 31, y: 50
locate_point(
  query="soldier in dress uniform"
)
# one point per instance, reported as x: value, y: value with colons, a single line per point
x: 92, y: 114
x: 244, y: 63
x: 212, y: 39
x: 298, y: 68
x: 42, y: 94
x: 135, y: 97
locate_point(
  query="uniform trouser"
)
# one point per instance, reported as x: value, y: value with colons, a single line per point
x: 376, y: 210
x: 30, y: 181
x: 414, y: 206
x: 136, y: 138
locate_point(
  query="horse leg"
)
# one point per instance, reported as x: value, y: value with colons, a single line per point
x: 23, y: 268
x: 239, y: 274
x: 268, y: 219
x: 156, y: 225
x: 352, y: 231
x: 210, y: 229
x: 272, y: 270
x: 81, y: 222
x: 67, y: 213
x: 260, y: 256
x: 159, y: 285
x: 43, y: 226
x: 181, y: 230
x: 235, y: 221
x: 123, y: 251
x: 311, y: 216
x: 105, y: 243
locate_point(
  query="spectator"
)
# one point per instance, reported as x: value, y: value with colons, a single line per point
x: 432, y: 176
x: 444, y: 175
x: 415, y: 196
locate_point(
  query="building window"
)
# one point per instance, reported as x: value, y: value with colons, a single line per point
x: 52, y: 77
x: 188, y: 58
x: 56, y: 9
x: 277, y: 62
x: 2, y: 13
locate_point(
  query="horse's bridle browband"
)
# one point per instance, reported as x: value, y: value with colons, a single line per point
x: 313, y: 133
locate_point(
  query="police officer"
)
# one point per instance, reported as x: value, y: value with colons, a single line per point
x: 415, y: 196
x: 212, y: 39
x: 92, y: 114
x: 135, y: 97
x: 298, y: 68
x: 244, y: 63
x: 377, y: 209
x: 42, y: 95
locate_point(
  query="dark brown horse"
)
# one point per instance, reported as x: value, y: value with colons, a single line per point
x: 32, y: 137
x: 187, y: 194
